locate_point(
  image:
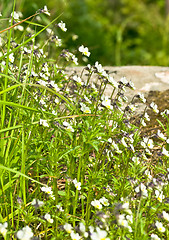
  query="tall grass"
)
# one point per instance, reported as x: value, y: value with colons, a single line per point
x: 73, y: 164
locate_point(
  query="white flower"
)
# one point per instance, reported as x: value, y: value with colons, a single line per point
x: 77, y: 79
x: 68, y: 126
x: 165, y: 152
x: 143, y: 190
x: 96, y: 203
x: 112, y: 81
x: 146, y: 116
x: 59, y: 207
x: 165, y: 216
x: 107, y: 103
x: 48, y: 218
x: 77, y: 184
x: 159, y: 195
x: 37, y: 203
x: 85, y: 109
x: 154, y: 107
x: 141, y: 97
x: 44, y: 123
x: 62, y: 26
x: 75, y: 236
x: 122, y: 221
x: 68, y: 227
x: 104, y: 201
x: 84, y: 51
x: 160, y: 227
x: 47, y: 190
x: 99, y: 235
x: 25, y: 234
x: 11, y: 58
x: 154, y: 237
x: 161, y: 135
x: 3, y: 228
x: 46, y: 11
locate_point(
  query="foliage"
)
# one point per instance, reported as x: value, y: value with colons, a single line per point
x: 73, y: 164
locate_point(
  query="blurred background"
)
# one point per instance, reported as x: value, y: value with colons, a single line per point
x: 117, y: 32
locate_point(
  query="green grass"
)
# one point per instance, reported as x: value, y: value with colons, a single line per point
x: 72, y: 165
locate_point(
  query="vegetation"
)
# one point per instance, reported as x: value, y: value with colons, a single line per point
x: 118, y: 32
x: 73, y: 162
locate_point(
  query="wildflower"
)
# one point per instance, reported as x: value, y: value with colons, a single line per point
x: 154, y: 107
x: 107, y: 103
x: 11, y: 57
x: 159, y: 195
x: 161, y: 135
x: 112, y: 81
x: 141, y: 97
x: 75, y: 236
x: 136, y: 160
x: 68, y: 126
x: 62, y: 26
x: 84, y: 51
x: 3, y: 229
x: 84, y: 108
x: 146, y: 116
x: 78, y: 79
x: 148, y: 174
x: 142, y: 188
x: 83, y: 229
x: 37, y: 203
x: 25, y: 234
x: 96, y: 203
x: 143, y: 123
x: 165, y: 216
x: 48, y: 218
x: 160, y: 227
x: 77, y: 184
x: 59, y: 207
x: 47, y: 190
x: 165, y: 152
x: 68, y: 227
x: 154, y: 237
x: 124, y: 142
x: 99, y: 235
x: 54, y: 85
x: 104, y: 201
x: 44, y: 123
x: 149, y: 142
x: 122, y: 221
x: 46, y: 11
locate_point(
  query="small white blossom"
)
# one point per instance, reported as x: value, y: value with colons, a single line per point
x: 84, y: 51
x: 160, y: 226
x: 165, y: 216
x: 159, y: 195
x: 154, y: 107
x: 3, y: 229
x: 99, y: 235
x: 96, y: 203
x: 25, y: 234
x: 62, y: 26
x: 48, y: 218
x: 154, y: 237
x: 77, y: 184
x: 104, y: 201
x: 44, y: 123
x: 75, y: 236
x: 68, y: 227
x: 46, y: 11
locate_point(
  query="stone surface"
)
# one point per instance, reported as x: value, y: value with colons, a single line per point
x: 145, y: 79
